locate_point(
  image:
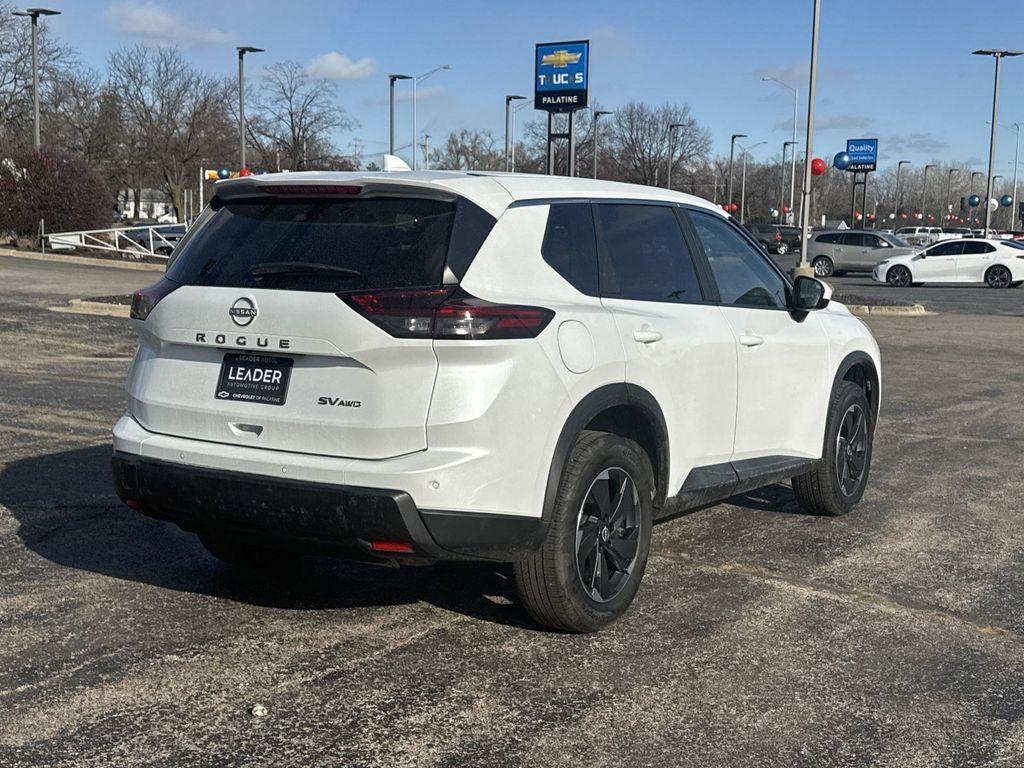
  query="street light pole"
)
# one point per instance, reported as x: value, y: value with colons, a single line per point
x: 416, y: 81
x: 508, y: 101
x: 242, y: 50
x: 782, y: 188
x: 998, y: 55
x: 743, y: 183
x: 34, y: 14
x: 924, y: 189
x: 671, y: 153
x: 1016, y: 160
x: 949, y: 183
x: 899, y: 171
x: 805, y: 193
x: 796, y: 100
x: 597, y: 113
x: 515, y: 111
x: 391, y: 121
x: 732, y: 149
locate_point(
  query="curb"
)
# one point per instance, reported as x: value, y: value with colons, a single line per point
x: 11, y: 253
x: 914, y: 310
x: 85, y: 307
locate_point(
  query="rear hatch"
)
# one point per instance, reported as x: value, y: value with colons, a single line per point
x: 259, y: 334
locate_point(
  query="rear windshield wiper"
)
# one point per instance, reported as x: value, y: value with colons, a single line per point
x: 300, y: 268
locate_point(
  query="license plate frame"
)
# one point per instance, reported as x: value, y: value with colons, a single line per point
x: 254, y: 378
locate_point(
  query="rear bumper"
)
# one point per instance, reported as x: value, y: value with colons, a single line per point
x: 317, y: 517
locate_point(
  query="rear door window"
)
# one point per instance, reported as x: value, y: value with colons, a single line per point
x: 326, y: 244
x: 645, y: 253
x: 971, y: 248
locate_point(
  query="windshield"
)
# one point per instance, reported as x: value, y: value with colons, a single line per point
x: 899, y: 242
x: 309, y: 244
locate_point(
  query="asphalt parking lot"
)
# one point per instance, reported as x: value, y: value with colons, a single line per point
x: 761, y: 637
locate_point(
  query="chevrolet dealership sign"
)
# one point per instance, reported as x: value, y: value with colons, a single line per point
x: 561, y: 75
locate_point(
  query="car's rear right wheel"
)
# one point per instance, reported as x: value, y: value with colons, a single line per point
x: 998, y: 276
x: 782, y: 249
x: 823, y: 266
x: 594, y: 554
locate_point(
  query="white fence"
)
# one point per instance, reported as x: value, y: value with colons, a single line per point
x: 155, y: 241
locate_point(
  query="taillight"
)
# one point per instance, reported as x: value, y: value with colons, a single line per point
x: 146, y: 298
x: 447, y: 313
x: 778, y: 237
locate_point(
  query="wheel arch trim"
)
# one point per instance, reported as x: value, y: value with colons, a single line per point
x: 588, y: 408
x: 862, y: 359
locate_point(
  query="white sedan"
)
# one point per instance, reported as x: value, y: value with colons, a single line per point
x: 998, y: 263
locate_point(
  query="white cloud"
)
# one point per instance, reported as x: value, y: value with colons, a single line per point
x: 338, y: 66
x: 155, y: 24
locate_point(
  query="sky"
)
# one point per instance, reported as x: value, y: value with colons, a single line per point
x: 898, y: 70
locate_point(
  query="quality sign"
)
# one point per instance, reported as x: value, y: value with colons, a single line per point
x: 863, y: 154
x: 561, y: 74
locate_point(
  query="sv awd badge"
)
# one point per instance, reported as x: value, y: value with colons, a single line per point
x: 243, y: 311
x: 339, y: 402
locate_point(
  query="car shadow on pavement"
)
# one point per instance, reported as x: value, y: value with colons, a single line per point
x: 778, y: 498
x: 68, y: 513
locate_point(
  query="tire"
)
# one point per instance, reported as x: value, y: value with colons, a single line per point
x: 823, y: 266
x: 561, y: 584
x: 783, y: 249
x: 998, y: 276
x: 837, y: 483
x: 244, y: 555
x: 899, y: 276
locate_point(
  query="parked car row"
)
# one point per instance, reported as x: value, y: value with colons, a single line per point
x: 776, y: 238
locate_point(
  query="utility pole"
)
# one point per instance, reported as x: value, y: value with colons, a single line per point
x: 415, y: 136
x: 899, y: 171
x: 732, y: 148
x: 805, y: 193
x: 1016, y: 161
x: 743, y: 184
x: 34, y: 14
x: 242, y: 50
x: 998, y: 54
x: 949, y: 183
x: 924, y: 191
x: 782, y: 193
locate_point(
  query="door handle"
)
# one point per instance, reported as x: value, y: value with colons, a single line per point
x: 646, y: 335
x: 751, y: 340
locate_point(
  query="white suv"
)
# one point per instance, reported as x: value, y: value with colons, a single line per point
x: 412, y: 367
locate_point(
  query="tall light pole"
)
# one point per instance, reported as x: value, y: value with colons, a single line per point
x: 998, y: 54
x: 1016, y: 161
x: 671, y: 152
x: 899, y: 172
x: 34, y: 14
x: 743, y: 183
x: 416, y: 81
x: 949, y: 183
x: 805, y: 192
x: 732, y: 150
x: 516, y: 111
x: 924, y: 189
x: 597, y: 113
x: 973, y: 175
x: 242, y: 50
x: 508, y: 102
x: 782, y: 188
x: 796, y: 100
x: 391, y: 121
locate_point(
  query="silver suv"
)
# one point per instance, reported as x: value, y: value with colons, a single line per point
x: 852, y: 251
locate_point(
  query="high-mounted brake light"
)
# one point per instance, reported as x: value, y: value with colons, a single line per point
x: 145, y: 299
x: 447, y: 314
x: 312, y: 190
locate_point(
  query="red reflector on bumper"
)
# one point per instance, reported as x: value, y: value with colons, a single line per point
x: 379, y: 545
x: 133, y: 504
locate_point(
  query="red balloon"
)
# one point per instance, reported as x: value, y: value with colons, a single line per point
x: 871, y: 217
x: 785, y: 209
x: 817, y: 166
x: 903, y: 215
x: 245, y: 172
x: 733, y: 207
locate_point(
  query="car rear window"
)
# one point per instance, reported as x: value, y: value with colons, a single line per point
x: 329, y: 244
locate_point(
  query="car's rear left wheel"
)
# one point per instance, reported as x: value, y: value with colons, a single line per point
x: 782, y: 249
x: 589, y: 568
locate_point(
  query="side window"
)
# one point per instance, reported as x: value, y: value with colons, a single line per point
x: 648, y: 259
x: 951, y: 248
x: 976, y: 248
x: 873, y: 241
x: 829, y: 239
x: 743, y: 274
x: 853, y: 238
x: 569, y: 246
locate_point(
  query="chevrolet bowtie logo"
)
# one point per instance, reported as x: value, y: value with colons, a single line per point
x: 560, y: 59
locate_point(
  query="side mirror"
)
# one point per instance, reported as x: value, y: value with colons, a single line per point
x: 810, y: 293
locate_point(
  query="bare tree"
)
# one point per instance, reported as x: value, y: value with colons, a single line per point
x: 175, y: 113
x: 294, y: 118
x: 469, y: 151
x: 640, y: 142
